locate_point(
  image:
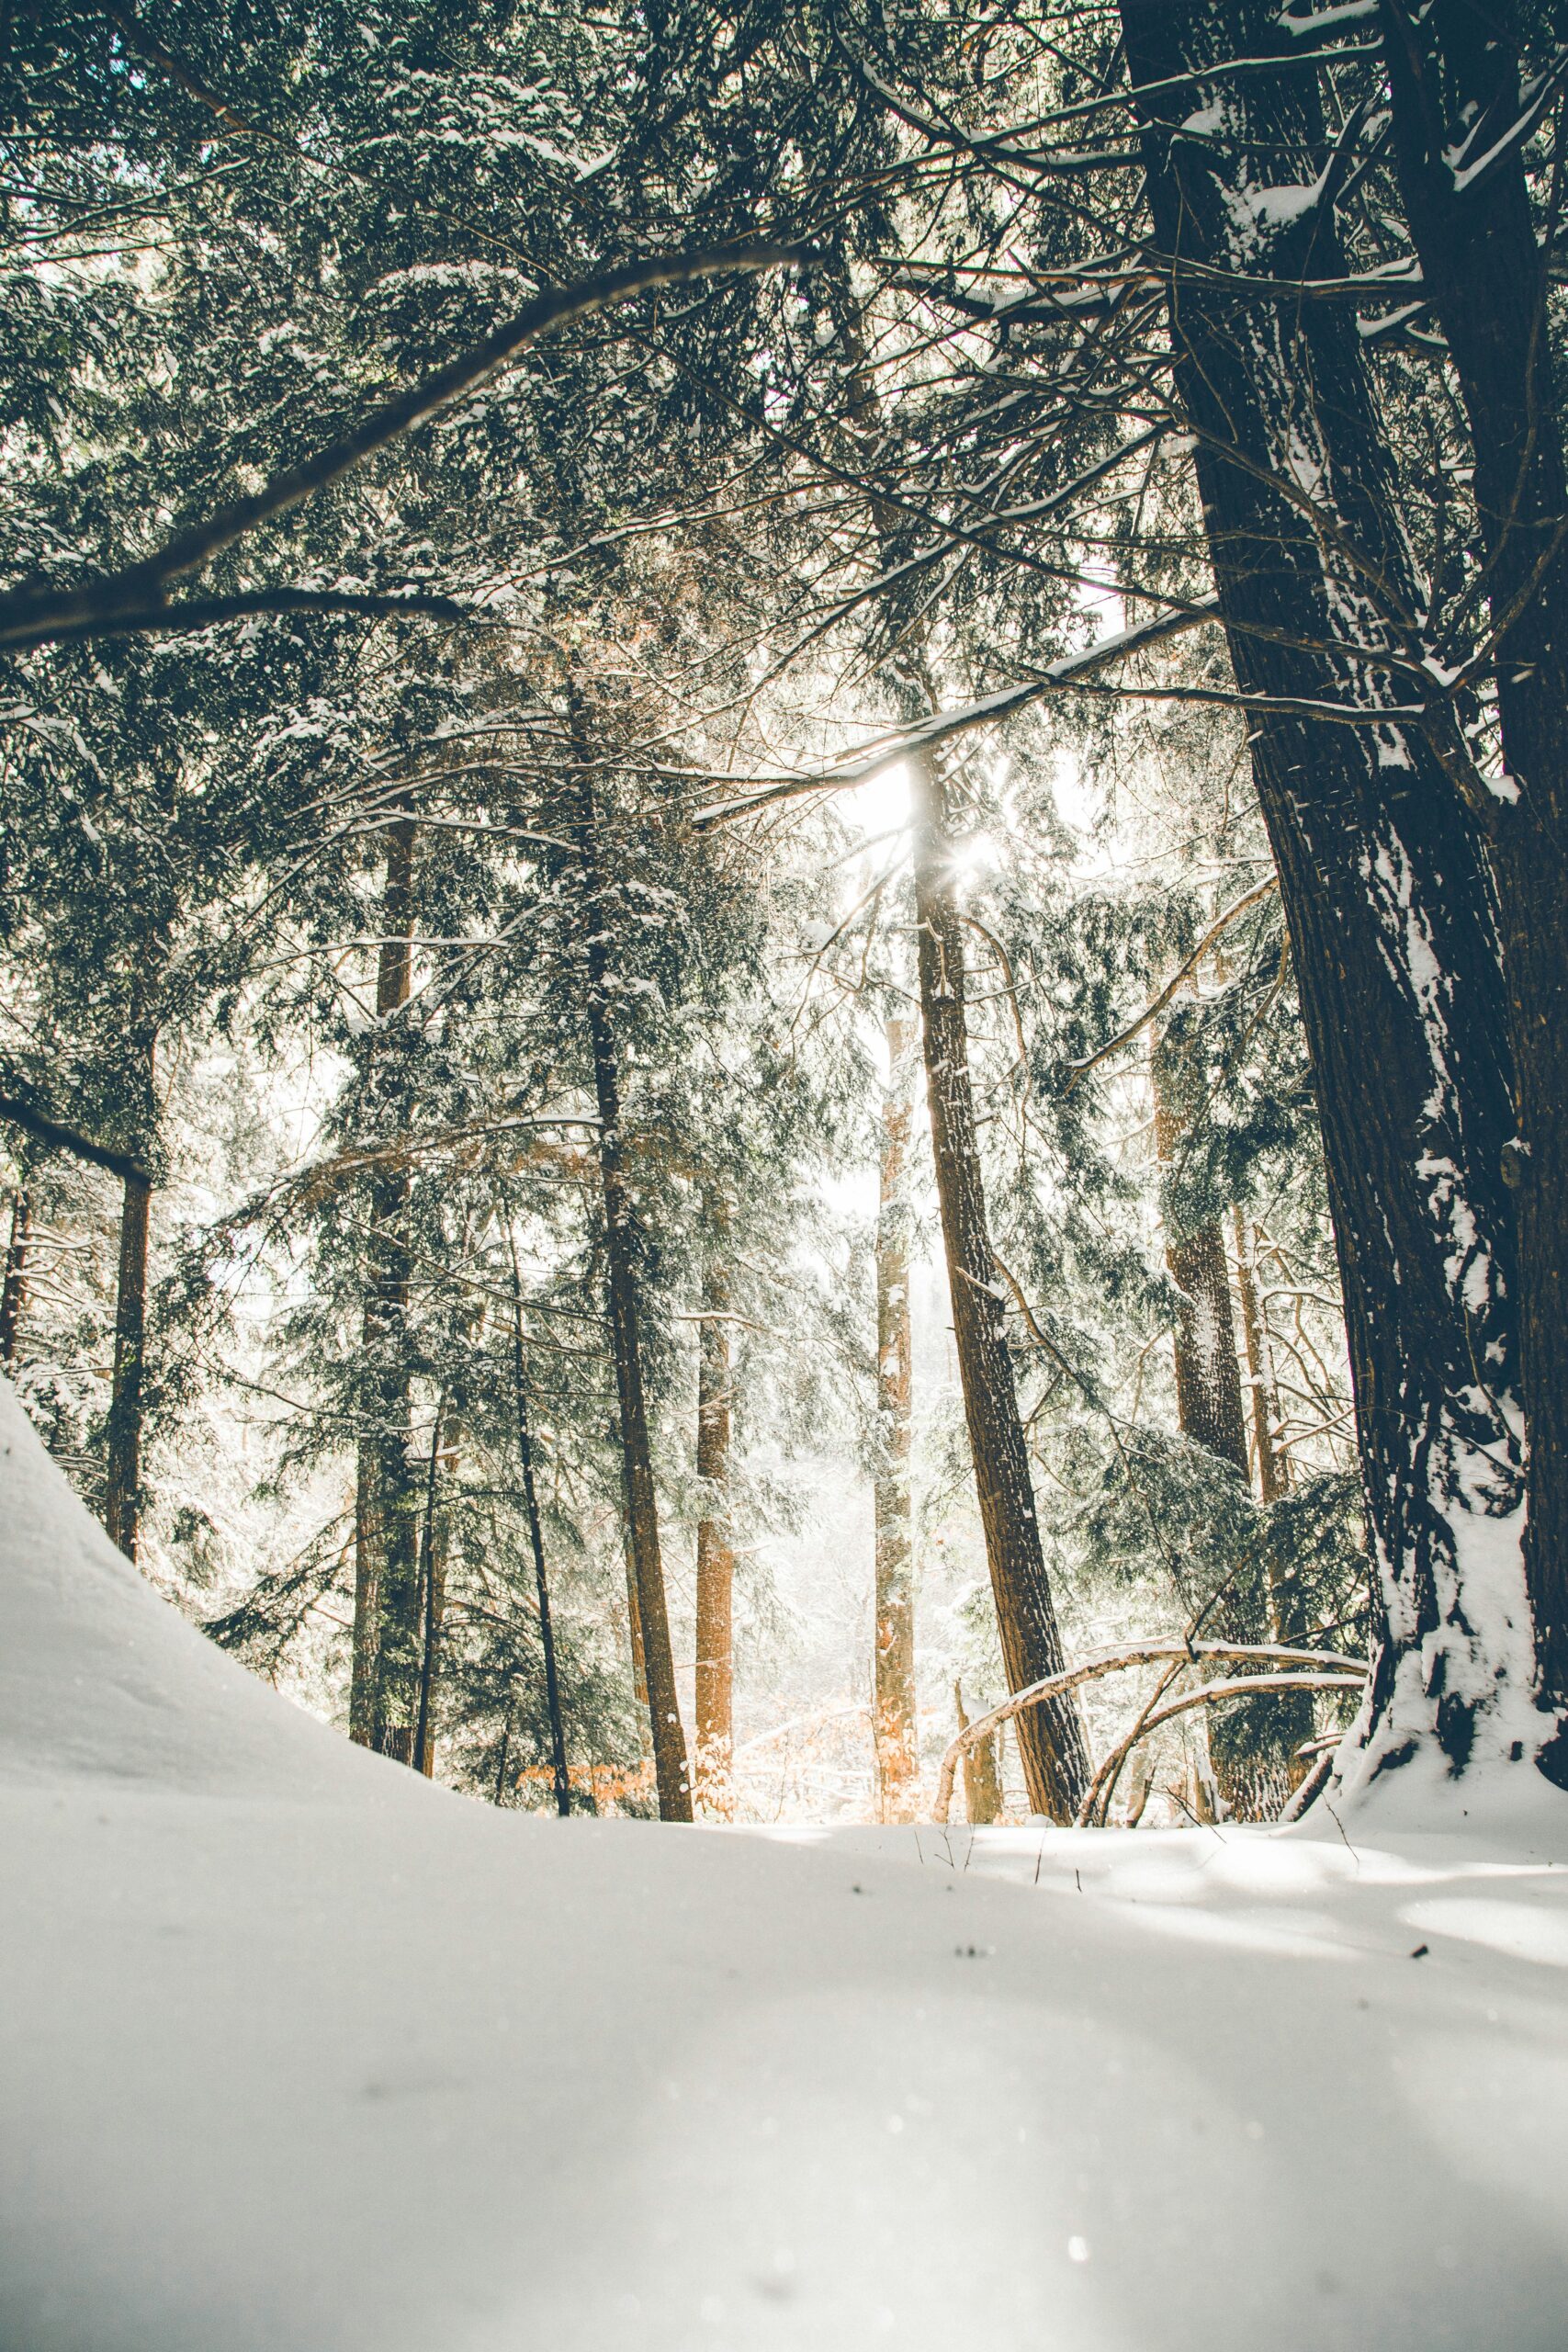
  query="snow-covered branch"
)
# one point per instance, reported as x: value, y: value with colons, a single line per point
x: 1320, y: 1663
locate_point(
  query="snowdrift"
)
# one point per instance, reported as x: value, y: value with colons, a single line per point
x: 300, y: 2052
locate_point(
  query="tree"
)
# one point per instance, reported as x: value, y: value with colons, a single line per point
x: 1462, y: 115
x: 1050, y: 1741
x: 1381, y: 864
x: 896, y: 1727
x: 715, y: 1722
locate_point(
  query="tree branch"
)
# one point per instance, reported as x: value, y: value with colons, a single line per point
x: 30, y: 613
x: 59, y: 1138
x: 205, y: 612
x: 1126, y: 1654
x: 937, y: 730
x: 1183, y: 972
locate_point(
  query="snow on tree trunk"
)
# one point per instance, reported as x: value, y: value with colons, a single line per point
x: 894, y: 1705
x: 1382, y: 878
x: 1273, y: 1466
x: 1050, y: 1740
x: 1458, y: 104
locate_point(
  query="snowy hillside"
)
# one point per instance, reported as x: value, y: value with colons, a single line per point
x: 301, y: 2051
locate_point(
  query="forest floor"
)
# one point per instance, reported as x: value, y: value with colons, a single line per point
x: 300, y: 2052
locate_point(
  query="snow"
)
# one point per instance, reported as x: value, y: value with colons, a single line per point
x: 300, y: 2051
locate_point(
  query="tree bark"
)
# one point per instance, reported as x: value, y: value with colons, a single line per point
x: 432, y: 1606
x: 14, y: 1295
x: 1208, y: 1377
x: 716, y: 1556
x: 1051, y: 1741
x: 895, y: 1717
x: 1382, y: 872
x: 387, y: 1644
x: 670, y: 1762
x: 122, y: 1479
x: 982, y: 1775
x: 1273, y: 1467
x: 1454, y: 80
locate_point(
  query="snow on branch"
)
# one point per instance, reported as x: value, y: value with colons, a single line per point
x: 1326, y: 1670
x: 890, y: 749
x: 1249, y: 1685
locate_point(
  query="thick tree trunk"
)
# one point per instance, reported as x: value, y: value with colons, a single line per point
x: 716, y: 1556
x: 1381, y: 875
x: 1454, y: 78
x: 670, y: 1764
x: 14, y: 1293
x: 894, y: 1702
x: 122, y: 1478
x: 1051, y: 1741
x: 388, y: 1636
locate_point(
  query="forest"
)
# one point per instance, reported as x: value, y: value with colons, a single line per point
x: 783, y: 997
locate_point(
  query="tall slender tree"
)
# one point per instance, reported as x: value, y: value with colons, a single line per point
x: 894, y: 1701
x: 1050, y: 1738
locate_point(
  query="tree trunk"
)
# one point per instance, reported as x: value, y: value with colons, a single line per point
x: 1051, y: 1741
x: 715, y: 1556
x: 432, y: 1606
x: 122, y: 1481
x: 1380, y: 871
x: 1454, y: 79
x: 894, y: 1701
x: 388, y: 1636
x: 1208, y: 1378
x: 982, y: 1775
x: 1273, y: 1467
x: 560, y: 1773
x: 434, y: 1620
x: 14, y: 1295
x: 1252, y: 1744
x: 670, y: 1764
x: 365, y: 1640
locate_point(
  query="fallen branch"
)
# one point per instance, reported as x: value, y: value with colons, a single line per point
x: 1249, y: 1685
x: 1113, y: 1661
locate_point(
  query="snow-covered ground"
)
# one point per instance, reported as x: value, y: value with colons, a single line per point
x: 303, y: 2053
